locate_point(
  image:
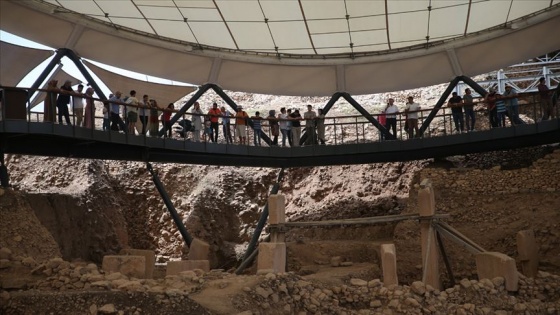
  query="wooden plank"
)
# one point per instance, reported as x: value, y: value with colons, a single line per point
x: 357, y: 221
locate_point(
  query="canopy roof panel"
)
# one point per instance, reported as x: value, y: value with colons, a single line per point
x: 17, y: 61
x: 286, y: 37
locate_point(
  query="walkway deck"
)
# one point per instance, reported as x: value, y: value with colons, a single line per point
x: 47, y: 139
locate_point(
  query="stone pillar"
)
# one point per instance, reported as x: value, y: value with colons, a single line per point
x: 149, y: 255
x: 528, y: 253
x: 430, y: 256
x: 272, y: 256
x: 277, y: 215
x: 198, y: 250
x: 389, y: 264
x: 490, y: 265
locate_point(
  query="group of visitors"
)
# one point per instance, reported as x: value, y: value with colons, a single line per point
x: 140, y: 116
x: 388, y: 118
x: 58, y: 99
x: 287, y: 122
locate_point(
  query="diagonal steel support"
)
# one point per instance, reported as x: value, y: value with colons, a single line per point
x: 76, y: 59
x: 260, y: 225
x: 52, y: 64
x: 233, y: 105
x: 356, y: 105
x: 480, y: 90
x: 178, y: 222
x: 201, y: 90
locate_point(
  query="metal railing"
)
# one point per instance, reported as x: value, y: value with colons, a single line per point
x: 339, y: 130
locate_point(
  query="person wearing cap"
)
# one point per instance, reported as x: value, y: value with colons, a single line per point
x: 468, y: 107
x: 490, y: 98
x: 63, y: 101
x: 241, y: 124
x: 455, y: 103
x: 411, y: 111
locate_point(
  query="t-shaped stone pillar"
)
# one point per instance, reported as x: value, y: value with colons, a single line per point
x: 528, y: 253
x: 430, y: 257
x: 272, y: 256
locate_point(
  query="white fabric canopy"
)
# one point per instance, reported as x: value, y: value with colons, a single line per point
x: 162, y: 93
x: 59, y: 75
x: 17, y: 61
x: 305, y: 47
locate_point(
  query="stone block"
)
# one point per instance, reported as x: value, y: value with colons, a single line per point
x: 528, y: 253
x: 389, y: 264
x: 272, y: 256
x: 276, y: 209
x: 490, y: 265
x: 149, y: 255
x: 426, y: 199
x: 199, y: 250
x: 176, y: 267
x: 130, y: 266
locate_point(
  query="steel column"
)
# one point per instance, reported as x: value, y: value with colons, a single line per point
x: 178, y: 222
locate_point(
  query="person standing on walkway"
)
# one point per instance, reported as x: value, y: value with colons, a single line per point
x: 296, y: 127
x: 143, y: 113
x: 197, y: 121
x: 455, y: 103
x: 309, y: 117
x: 289, y: 127
x: 89, y: 114
x: 546, y: 99
x: 226, y: 125
x: 78, y: 105
x: 214, y: 113
x: 321, y: 126
x: 411, y: 111
x: 132, y: 112
x: 154, y: 119
x: 468, y: 107
x: 512, y: 106
x: 490, y: 100
x: 274, y: 127
x: 241, y: 118
x: 63, y: 101
x: 283, y: 122
x: 391, y: 112
x: 116, y: 121
x: 257, y: 129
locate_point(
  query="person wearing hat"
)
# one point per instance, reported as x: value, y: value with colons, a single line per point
x: 411, y: 111
x: 63, y: 101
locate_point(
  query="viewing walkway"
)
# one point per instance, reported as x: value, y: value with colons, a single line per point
x: 48, y: 139
x: 349, y: 139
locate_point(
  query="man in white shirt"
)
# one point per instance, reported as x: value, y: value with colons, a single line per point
x: 391, y: 121
x: 78, y: 105
x: 411, y: 111
x: 309, y: 117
